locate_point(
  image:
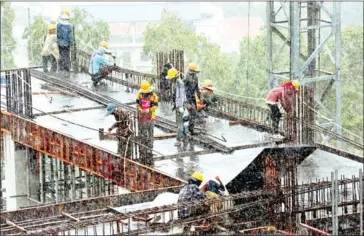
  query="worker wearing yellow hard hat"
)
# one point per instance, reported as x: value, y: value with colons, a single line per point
x: 192, y: 89
x: 65, y: 40
x: 191, y: 192
x: 99, y: 67
x: 147, y: 104
x: 283, y: 94
x: 50, y: 51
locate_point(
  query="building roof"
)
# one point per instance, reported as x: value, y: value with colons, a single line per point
x: 235, y: 28
x: 136, y: 12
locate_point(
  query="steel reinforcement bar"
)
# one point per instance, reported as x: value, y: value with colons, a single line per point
x: 249, y: 115
x: 121, y: 171
x: 161, y: 123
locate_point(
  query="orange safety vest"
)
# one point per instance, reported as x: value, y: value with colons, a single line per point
x: 199, y: 101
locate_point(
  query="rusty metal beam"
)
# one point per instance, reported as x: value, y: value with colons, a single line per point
x: 92, y: 159
x: 85, y: 205
x: 68, y: 111
x: 340, y: 152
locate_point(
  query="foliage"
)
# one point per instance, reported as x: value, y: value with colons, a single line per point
x: 255, y: 85
x: 172, y: 33
x: 36, y: 34
x: 88, y: 33
x: 8, y: 43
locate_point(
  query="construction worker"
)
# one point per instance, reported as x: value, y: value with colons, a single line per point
x: 65, y: 40
x: 50, y: 51
x: 179, y: 98
x: 99, y: 67
x: 147, y: 104
x: 191, y: 85
x: 191, y: 192
x: 124, y: 129
x: 214, y: 189
x: 164, y: 85
x: 207, y: 96
x: 284, y: 94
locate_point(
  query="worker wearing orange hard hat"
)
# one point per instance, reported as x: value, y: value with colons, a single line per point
x: 147, y: 104
x: 283, y: 94
x: 50, y: 51
x: 207, y: 96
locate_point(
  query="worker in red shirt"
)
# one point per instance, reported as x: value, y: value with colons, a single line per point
x: 285, y: 94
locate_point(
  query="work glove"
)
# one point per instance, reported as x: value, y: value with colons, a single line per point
x: 181, y: 110
x: 109, y: 130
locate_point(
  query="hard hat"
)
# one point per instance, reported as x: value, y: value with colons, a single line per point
x: 192, y: 66
x: 51, y: 27
x: 66, y: 11
x: 145, y: 87
x: 198, y: 176
x: 110, y: 108
x: 172, y: 73
x: 296, y: 84
x: 271, y: 228
x: 104, y: 44
x: 208, y: 84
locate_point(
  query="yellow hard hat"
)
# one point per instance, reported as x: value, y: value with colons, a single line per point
x: 145, y: 87
x: 104, y: 44
x: 172, y: 73
x: 66, y: 11
x: 296, y: 84
x: 51, y: 27
x: 198, y: 176
x: 208, y: 83
x: 192, y: 66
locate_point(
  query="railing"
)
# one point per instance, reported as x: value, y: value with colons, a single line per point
x: 121, y: 171
x: 249, y: 114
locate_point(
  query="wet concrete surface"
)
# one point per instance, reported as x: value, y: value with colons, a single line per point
x: 318, y: 165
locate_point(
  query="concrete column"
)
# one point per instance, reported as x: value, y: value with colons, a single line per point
x: 15, y: 175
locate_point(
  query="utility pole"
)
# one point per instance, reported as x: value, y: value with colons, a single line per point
x: 30, y: 42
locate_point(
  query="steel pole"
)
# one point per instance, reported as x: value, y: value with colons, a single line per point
x: 361, y: 207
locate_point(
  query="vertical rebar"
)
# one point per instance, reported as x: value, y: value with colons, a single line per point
x: 56, y: 179
x: 73, y: 182
x: 361, y: 190
x: 333, y: 202
x: 336, y: 202
x: 28, y: 170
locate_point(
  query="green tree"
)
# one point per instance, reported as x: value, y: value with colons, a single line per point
x: 8, y: 43
x: 254, y: 83
x: 172, y: 33
x: 88, y: 33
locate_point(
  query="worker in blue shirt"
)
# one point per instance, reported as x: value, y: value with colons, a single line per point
x: 65, y: 40
x: 99, y: 67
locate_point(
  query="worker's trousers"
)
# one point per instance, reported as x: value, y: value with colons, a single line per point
x: 192, y: 115
x: 275, y: 115
x: 146, y: 138
x: 64, y: 58
x: 125, y: 147
x: 52, y: 60
x: 102, y: 74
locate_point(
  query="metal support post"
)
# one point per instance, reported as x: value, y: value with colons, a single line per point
x: 28, y: 171
x: 336, y: 202
x: 51, y: 164
x: 294, y: 22
x: 56, y: 179
x: 73, y: 182
x: 337, y: 32
x: 41, y: 177
x: 270, y: 20
x: 361, y: 202
x: 65, y: 182
x: 87, y: 184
